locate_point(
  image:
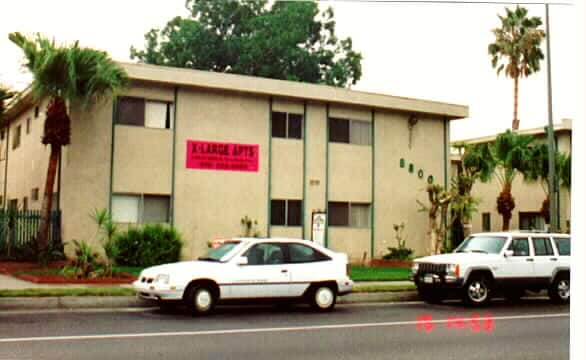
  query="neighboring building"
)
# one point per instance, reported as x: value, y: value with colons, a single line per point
x: 201, y: 150
x: 528, y: 196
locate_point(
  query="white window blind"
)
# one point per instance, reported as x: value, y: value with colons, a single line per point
x: 125, y: 208
x: 155, y: 115
x: 359, y: 215
x: 360, y: 132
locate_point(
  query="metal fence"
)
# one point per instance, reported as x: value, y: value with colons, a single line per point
x: 19, y: 230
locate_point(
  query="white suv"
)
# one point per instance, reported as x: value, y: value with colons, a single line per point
x: 250, y: 269
x: 489, y: 263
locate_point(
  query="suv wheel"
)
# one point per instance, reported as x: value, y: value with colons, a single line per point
x: 559, y: 290
x: 477, y: 290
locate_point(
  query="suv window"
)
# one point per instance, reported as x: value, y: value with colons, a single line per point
x: 299, y: 253
x: 563, y: 246
x: 520, y: 247
x: 542, y: 247
x: 265, y: 254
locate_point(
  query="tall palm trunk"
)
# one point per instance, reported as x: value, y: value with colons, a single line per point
x: 505, y: 205
x: 516, y: 121
x: 57, y: 133
x: 43, y: 240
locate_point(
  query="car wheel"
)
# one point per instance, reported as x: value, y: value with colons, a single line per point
x: 477, y: 291
x: 429, y: 296
x: 323, y: 298
x: 559, y: 291
x: 201, y: 300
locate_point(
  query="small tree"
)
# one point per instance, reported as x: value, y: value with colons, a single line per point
x: 439, y: 201
x: 107, y: 230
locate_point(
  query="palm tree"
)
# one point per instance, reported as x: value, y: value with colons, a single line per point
x: 5, y: 94
x: 538, y: 171
x: 516, y: 49
x: 64, y: 74
x: 511, y: 154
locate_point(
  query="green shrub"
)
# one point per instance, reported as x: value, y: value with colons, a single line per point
x: 84, y: 264
x: 150, y: 245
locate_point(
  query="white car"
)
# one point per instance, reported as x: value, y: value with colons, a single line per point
x: 250, y: 269
x: 489, y: 263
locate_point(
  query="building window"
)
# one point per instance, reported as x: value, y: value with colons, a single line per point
x: 286, y: 212
x: 135, y: 209
x: 485, y: 221
x: 356, y: 132
x: 2, y: 135
x: 16, y: 137
x: 141, y: 112
x: 349, y: 214
x: 13, y: 204
x: 28, y: 125
x: 35, y: 194
x: 25, y: 203
x: 287, y: 125
x: 531, y: 221
x: 36, y: 112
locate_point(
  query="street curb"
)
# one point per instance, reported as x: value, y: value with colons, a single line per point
x: 112, y: 302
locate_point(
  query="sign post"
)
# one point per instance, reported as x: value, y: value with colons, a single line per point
x: 318, y: 226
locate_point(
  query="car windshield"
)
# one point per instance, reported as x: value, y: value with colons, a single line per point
x: 482, y: 244
x: 216, y: 253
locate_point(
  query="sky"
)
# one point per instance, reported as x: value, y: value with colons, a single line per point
x: 432, y: 51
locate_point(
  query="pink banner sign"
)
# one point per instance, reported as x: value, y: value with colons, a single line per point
x: 209, y: 155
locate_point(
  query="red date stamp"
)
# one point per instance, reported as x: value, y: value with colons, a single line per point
x: 475, y: 323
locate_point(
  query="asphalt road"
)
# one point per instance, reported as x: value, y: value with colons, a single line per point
x: 533, y: 329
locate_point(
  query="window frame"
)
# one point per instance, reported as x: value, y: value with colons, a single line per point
x: 349, y: 223
x: 286, y: 212
x: 141, y: 208
x: 332, y: 120
x: 486, y: 220
x: 169, y: 119
x: 547, y: 242
x: 16, y: 138
x: 287, y: 125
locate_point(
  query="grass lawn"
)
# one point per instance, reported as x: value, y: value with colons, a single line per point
x: 364, y: 273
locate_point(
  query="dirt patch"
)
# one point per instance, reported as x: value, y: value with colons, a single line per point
x: 17, y: 268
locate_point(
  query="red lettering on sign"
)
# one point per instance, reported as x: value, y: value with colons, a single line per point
x: 206, y: 155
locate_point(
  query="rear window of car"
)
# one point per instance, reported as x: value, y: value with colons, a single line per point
x: 299, y: 253
x: 542, y: 246
x: 563, y: 246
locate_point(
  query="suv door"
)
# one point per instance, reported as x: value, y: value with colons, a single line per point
x: 545, y: 259
x: 518, y: 268
x: 265, y: 276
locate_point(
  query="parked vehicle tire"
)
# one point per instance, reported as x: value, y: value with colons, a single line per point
x: 323, y: 298
x: 200, y: 300
x: 477, y: 290
x: 430, y: 296
x: 559, y: 290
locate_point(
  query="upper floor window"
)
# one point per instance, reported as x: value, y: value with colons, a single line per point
x: 36, y: 112
x: 349, y: 214
x: 28, y: 125
x: 16, y: 137
x: 287, y: 125
x: 356, y: 132
x: 147, y: 113
x: 486, y: 221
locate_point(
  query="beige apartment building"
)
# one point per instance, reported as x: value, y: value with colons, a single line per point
x: 201, y: 150
x: 528, y: 196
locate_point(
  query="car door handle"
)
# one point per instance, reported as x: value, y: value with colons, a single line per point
x: 531, y: 260
x: 284, y: 271
x: 553, y: 259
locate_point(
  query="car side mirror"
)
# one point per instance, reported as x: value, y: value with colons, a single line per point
x: 509, y: 253
x: 242, y: 260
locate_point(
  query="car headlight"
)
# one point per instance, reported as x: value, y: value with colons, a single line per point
x: 162, y: 278
x: 414, y: 268
x: 453, y: 269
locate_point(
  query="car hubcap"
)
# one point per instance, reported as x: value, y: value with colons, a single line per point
x: 203, y: 300
x: 324, y: 297
x: 477, y: 291
x: 564, y: 289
